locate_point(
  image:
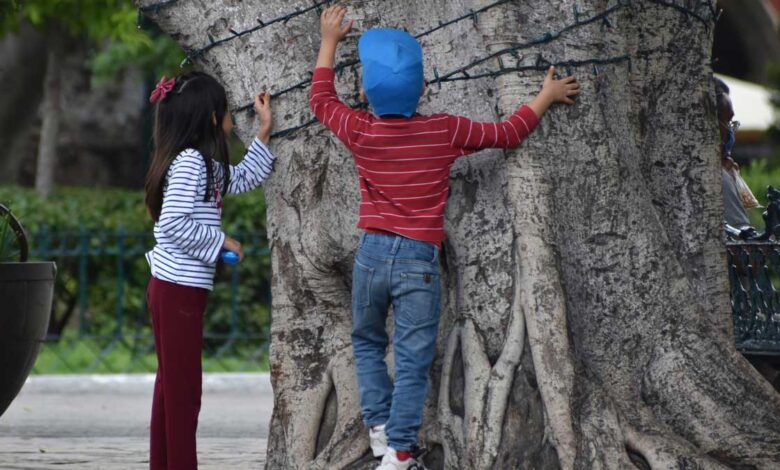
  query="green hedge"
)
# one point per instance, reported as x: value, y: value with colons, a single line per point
x: 110, y: 209
x: 70, y: 212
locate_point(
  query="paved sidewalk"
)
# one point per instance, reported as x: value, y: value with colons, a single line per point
x: 102, y: 422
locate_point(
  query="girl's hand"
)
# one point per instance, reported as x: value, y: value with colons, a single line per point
x: 331, y: 28
x: 231, y: 244
x: 560, y: 91
x: 263, y: 110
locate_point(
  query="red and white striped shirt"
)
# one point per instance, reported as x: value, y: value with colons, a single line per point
x: 404, y: 163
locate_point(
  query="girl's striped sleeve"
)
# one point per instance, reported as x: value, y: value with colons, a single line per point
x: 253, y: 169
x: 197, y: 240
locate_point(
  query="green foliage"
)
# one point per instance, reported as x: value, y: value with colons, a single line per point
x: 12, y: 239
x: 161, y: 56
x: 74, y: 208
x: 97, y: 19
x: 109, y: 209
x: 8, y: 15
x: 112, y: 25
x: 758, y: 175
x: 157, y: 55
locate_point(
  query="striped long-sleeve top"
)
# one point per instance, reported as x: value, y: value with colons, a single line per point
x: 188, y: 234
x: 403, y: 163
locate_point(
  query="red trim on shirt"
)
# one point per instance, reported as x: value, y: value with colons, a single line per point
x: 404, y: 164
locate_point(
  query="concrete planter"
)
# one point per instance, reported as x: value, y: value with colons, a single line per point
x: 26, y: 291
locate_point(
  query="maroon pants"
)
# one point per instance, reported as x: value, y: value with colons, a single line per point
x: 177, y: 319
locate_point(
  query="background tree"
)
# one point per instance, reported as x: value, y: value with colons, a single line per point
x: 111, y: 26
x: 587, y: 321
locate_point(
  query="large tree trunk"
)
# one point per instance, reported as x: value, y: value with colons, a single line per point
x: 586, y: 322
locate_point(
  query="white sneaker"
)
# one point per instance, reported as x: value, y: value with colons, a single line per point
x: 378, y: 440
x: 390, y: 462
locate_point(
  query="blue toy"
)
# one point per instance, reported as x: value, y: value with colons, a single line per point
x: 230, y: 257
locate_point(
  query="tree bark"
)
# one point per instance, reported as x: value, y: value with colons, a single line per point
x: 50, y: 113
x: 586, y: 319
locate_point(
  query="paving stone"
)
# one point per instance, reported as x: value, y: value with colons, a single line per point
x: 102, y: 453
x: 102, y: 422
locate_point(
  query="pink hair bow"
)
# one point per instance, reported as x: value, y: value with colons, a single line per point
x: 163, y: 88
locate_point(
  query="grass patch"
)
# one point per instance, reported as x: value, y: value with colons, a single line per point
x: 89, y: 355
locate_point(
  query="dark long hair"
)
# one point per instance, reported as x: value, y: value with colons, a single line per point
x: 185, y: 119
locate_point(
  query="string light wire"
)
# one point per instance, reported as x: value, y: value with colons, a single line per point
x: 692, y: 8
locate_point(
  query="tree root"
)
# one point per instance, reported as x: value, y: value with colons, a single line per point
x: 348, y: 442
x: 539, y: 294
x: 485, y: 396
x: 600, y: 446
x: 714, y: 399
x: 611, y: 436
x: 663, y: 452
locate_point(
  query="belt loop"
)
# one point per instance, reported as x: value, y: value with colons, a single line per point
x: 396, y: 244
x: 362, y: 240
x: 435, y: 253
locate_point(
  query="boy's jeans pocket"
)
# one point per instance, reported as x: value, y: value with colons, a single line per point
x: 362, y: 276
x: 419, y: 295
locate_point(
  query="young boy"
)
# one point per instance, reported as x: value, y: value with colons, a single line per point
x: 403, y: 161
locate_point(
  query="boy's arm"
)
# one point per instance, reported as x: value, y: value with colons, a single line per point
x: 331, y: 32
x: 323, y: 100
x: 467, y: 134
x: 472, y: 135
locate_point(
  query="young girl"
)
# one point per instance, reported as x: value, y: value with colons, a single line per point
x: 189, y: 175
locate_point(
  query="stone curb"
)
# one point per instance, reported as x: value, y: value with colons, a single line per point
x: 132, y: 384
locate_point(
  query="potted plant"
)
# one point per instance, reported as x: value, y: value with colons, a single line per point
x: 26, y: 292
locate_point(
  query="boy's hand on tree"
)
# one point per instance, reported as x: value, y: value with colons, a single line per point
x: 554, y: 91
x: 263, y: 110
x: 331, y: 27
x: 332, y: 32
x: 561, y: 91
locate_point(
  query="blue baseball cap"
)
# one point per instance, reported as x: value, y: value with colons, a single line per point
x: 392, y: 71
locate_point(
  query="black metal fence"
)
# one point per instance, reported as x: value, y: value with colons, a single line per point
x: 100, y: 321
x: 754, y: 270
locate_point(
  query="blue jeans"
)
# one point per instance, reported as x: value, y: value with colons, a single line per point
x: 404, y: 273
